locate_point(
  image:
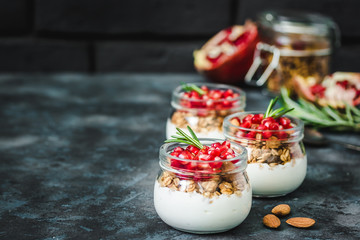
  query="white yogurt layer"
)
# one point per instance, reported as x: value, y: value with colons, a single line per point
x: 192, y: 212
x: 277, y: 180
x: 171, y: 130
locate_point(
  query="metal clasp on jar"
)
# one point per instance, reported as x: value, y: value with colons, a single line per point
x: 277, y: 53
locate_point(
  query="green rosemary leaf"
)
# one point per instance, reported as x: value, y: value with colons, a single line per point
x: 276, y: 113
x: 355, y: 110
x: 176, y: 140
x: 193, y: 134
x: 270, y: 107
x: 182, y: 137
x: 283, y: 112
x: 190, y: 87
x: 323, y: 117
x: 348, y: 114
x: 189, y: 139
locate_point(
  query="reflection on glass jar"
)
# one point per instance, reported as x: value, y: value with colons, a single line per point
x: 292, y: 44
x: 204, y: 113
x: 276, y: 158
x: 198, y: 199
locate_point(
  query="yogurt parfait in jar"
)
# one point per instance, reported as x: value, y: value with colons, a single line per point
x: 203, y: 107
x: 276, y: 156
x: 202, y: 186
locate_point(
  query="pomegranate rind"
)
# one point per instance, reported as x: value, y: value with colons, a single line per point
x: 230, y: 68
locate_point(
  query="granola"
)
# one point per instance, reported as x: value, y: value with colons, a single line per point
x: 213, y: 187
x: 212, y: 121
x: 269, y: 152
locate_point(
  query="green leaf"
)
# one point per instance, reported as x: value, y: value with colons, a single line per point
x: 323, y: 117
x: 182, y: 137
x: 190, y: 87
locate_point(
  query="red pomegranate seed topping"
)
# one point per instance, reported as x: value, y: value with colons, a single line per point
x: 246, y: 124
x: 256, y: 119
x: 194, y: 150
x: 274, y: 126
x: 200, y: 159
x: 206, y: 156
x: 226, y: 143
x: 202, y: 97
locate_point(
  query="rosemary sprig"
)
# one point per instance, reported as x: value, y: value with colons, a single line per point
x: 182, y: 137
x: 192, y: 87
x: 323, y: 117
x: 277, y: 112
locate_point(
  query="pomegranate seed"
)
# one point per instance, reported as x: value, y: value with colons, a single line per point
x: 266, y: 134
x: 204, y: 88
x: 274, y: 126
x: 194, y: 150
x: 178, y: 149
x: 256, y: 119
x: 262, y: 127
x: 226, y: 143
x: 230, y: 156
x: 268, y: 119
x: 246, y: 124
x: 282, y: 135
x: 175, y: 163
x: 248, y: 118
x: 175, y: 154
x: 228, y: 93
x: 222, y: 148
x: 214, y: 151
x: 215, y: 164
x: 204, y: 150
x: 191, y: 166
x: 215, y: 145
x: 226, y: 104
x: 240, y: 134
x: 185, y: 155
x: 284, y: 121
x: 203, y: 165
x: 195, y: 95
x: 251, y: 134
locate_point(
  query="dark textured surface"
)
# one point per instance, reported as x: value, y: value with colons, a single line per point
x: 79, y: 156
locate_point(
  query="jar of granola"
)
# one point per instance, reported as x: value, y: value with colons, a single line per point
x: 203, y: 107
x: 277, y: 160
x: 198, y: 195
x: 292, y: 44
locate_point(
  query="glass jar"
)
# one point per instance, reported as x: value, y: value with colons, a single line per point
x: 277, y: 160
x: 292, y: 44
x: 202, y: 201
x: 205, y: 117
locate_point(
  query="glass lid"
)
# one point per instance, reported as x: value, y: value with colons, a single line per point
x: 287, y: 21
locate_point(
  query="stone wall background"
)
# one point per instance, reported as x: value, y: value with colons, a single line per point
x: 94, y: 36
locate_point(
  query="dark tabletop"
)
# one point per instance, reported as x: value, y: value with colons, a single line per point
x: 79, y: 156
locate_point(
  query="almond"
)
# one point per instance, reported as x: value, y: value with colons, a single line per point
x: 281, y: 210
x: 300, y: 222
x: 271, y: 221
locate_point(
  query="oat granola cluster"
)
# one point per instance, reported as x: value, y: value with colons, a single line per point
x: 213, y: 187
x: 212, y: 121
x: 316, y: 67
x: 272, y: 154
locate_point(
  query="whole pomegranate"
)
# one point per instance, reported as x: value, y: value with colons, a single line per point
x: 228, y: 55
